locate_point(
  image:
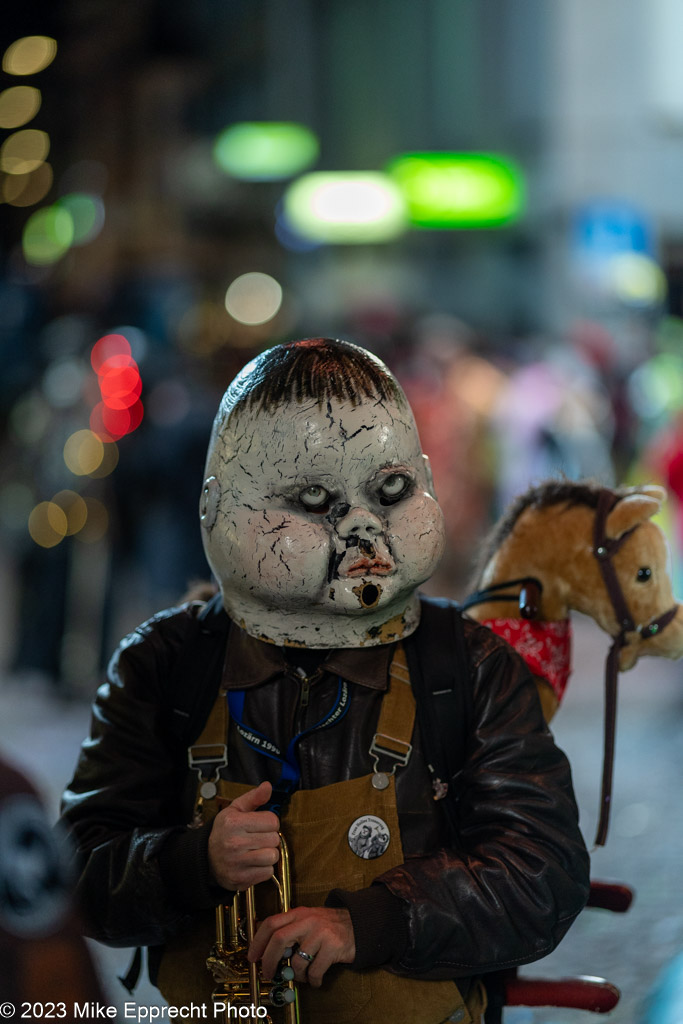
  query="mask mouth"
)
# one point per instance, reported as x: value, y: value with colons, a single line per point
x: 369, y: 567
x: 368, y: 594
x: 364, y: 557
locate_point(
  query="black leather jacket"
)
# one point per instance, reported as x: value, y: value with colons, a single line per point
x: 502, y: 894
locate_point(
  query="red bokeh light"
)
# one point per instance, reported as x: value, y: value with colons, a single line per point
x: 113, y: 424
x: 108, y: 346
x: 121, y: 387
x: 120, y: 411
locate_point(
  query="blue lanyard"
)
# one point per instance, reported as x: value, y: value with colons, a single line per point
x: 290, y: 773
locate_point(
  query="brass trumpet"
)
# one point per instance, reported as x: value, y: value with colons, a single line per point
x: 239, y: 982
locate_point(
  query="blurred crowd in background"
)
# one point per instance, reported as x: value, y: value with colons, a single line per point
x: 161, y: 226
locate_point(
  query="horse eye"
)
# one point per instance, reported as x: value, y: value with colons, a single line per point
x: 644, y: 574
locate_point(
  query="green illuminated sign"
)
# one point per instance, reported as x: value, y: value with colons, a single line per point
x: 350, y: 207
x: 265, y: 150
x: 459, y: 190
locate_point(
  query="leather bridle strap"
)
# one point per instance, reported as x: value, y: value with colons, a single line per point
x: 658, y: 624
x: 604, y: 549
x: 528, y: 598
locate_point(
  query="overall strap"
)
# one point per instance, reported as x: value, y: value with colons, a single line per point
x: 209, y: 753
x: 441, y: 680
x: 196, y: 675
x: 391, y: 745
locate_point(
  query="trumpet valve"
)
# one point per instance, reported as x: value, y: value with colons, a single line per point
x: 281, y: 995
x: 285, y: 973
x: 227, y: 965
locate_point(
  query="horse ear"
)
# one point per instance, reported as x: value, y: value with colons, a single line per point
x: 632, y: 510
x: 653, y: 491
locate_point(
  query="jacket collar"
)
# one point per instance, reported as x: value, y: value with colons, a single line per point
x: 250, y: 662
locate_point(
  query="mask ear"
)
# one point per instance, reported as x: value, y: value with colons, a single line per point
x: 430, y: 478
x: 209, y: 502
x: 633, y: 510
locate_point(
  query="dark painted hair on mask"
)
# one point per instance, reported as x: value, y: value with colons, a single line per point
x: 314, y: 369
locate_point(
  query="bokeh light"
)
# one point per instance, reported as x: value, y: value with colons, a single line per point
x: 449, y: 190
x: 120, y: 411
x: 354, y: 207
x: 83, y: 452
x: 96, y: 524
x: 18, y: 105
x: 265, y: 150
x: 107, y: 347
x: 27, y: 189
x: 110, y: 461
x: 87, y: 214
x: 29, y: 55
x: 47, y: 524
x: 24, y: 150
x: 655, y: 388
x: 253, y: 298
x: 68, y: 515
x: 112, y: 424
x: 63, y: 382
x: 120, y: 386
x: 74, y: 508
x: 636, y: 279
x: 47, y: 236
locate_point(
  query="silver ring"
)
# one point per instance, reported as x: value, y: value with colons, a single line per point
x: 306, y: 956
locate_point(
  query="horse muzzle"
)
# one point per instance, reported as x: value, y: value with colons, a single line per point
x: 662, y: 637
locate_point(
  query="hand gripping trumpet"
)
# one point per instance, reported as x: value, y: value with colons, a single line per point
x: 239, y: 982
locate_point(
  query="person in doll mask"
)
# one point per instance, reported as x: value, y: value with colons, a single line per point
x: 320, y: 522
x: 319, y: 518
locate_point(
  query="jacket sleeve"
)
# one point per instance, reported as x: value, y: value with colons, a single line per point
x: 142, y: 870
x: 506, y: 889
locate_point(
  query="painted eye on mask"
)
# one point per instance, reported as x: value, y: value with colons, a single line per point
x: 393, y: 488
x: 315, y: 499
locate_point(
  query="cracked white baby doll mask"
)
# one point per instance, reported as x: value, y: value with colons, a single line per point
x: 318, y: 516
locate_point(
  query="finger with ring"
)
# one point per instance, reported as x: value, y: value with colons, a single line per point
x: 306, y: 956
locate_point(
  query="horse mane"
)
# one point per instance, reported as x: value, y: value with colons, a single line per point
x: 544, y: 495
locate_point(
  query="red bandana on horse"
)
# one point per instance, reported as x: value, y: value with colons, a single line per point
x: 545, y: 646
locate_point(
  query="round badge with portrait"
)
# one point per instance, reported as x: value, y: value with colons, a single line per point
x: 368, y: 836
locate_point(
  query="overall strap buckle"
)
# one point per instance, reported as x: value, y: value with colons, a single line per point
x: 207, y: 759
x: 392, y: 740
x: 399, y: 754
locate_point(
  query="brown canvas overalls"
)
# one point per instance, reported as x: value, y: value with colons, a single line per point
x: 320, y: 825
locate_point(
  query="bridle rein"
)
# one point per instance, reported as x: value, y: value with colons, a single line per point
x: 604, y: 550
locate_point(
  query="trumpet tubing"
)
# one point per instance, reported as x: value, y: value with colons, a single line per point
x: 238, y: 981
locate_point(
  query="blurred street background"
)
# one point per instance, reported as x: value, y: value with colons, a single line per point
x: 487, y: 194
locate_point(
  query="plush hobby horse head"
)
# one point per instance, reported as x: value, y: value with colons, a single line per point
x: 563, y: 546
